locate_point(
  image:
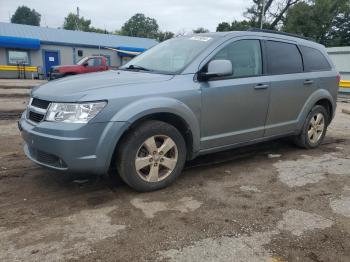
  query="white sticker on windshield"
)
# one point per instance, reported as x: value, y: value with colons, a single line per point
x: 200, y: 38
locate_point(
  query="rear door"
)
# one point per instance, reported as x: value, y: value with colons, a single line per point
x: 289, y: 87
x: 318, y: 70
x: 99, y: 64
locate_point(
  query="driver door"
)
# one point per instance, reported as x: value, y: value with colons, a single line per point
x: 90, y: 65
x: 234, y: 108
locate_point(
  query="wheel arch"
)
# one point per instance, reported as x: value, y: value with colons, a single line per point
x: 168, y: 110
x: 319, y: 97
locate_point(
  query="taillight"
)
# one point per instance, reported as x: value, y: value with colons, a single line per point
x: 338, y: 79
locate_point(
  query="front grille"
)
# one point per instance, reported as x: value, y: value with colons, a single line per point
x: 40, y: 103
x: 35, y: 117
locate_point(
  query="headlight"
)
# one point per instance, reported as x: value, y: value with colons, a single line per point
x: 74, y: 112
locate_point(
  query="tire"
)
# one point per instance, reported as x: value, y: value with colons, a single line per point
x: 304, y: 140
x: 140, y: 156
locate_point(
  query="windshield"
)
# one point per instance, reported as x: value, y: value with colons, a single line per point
x: 171, y: 56
x: 82, y: 61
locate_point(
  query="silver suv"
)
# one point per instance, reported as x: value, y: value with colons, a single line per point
x: 185, y: 97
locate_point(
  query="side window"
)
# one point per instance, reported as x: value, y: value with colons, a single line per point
x: 314, y: 60
x: 91, y: 62
x: 283, y: 58
x: 245, y: 56
x: 98, y: 62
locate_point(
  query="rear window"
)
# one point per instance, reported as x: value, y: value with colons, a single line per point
x: 314, y: 60
x: 283, y: 58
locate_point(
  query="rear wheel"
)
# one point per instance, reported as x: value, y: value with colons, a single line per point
x: 151, y: 156
x: 314, y: 129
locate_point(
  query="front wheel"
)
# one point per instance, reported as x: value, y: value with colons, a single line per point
x: 314, y: 129
x: 151, y: 156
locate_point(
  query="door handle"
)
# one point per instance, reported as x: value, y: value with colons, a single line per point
x: 261, y: 86
x: 308, y: 82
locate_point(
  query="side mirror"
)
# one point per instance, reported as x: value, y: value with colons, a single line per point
x: 216, y: 68
x: 86, y: 64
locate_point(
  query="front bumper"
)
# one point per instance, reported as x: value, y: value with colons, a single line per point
x: 71, y: 147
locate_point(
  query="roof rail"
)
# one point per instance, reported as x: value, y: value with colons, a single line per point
x: 278, y: 33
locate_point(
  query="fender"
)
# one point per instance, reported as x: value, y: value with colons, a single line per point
x: 151, y: 105
x: 316, y: 96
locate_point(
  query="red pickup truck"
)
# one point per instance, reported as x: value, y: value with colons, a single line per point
x: 85, y: 65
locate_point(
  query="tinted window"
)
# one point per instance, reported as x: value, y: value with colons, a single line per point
x: 283, y: 58
x: 314, y: 60
x: 245, y: 56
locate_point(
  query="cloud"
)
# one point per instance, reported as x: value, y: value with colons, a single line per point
x: 172, y: 15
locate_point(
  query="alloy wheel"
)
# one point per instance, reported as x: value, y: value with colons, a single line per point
x: 316, y: 128
x: 156, y: 158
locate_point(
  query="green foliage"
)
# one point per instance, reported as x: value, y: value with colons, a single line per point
x: 325, y: 21
x: 273, y: 12
x: 223, y: 27
x: 140, y: 26
x: 162, y: 36
x: 339, y: 34
x: 300, y: 20
x: 235, y: 26
x: 73, y: 22
x: 200, y: 30
x: 25, y: 16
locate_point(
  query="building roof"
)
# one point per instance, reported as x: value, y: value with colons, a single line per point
x: 79, y: 38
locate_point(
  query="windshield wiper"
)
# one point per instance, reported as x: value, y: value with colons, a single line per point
x: 137, y: 67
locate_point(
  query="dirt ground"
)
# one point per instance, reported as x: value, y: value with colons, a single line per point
x: 271, y: 202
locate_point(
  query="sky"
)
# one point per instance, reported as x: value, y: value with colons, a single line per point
x: 171, y: 15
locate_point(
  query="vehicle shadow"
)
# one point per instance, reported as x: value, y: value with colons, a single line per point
x: 112, y: 181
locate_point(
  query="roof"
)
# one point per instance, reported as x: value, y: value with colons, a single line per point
x: 265, y: 33
x: 79, y: 38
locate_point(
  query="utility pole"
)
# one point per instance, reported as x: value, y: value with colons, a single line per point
x: 262, y: 20
x: 77, y: 20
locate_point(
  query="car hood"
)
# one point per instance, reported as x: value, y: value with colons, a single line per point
x: 65, y: 67
x: 75, y: 87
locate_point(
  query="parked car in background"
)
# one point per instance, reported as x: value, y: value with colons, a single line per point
x: 85, y: 65
x: 185, y: 97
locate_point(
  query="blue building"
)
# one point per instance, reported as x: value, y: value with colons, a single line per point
x: 39, y: 48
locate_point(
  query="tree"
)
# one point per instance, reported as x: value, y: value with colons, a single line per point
x: 274, y: 12
x: 73, y: 22
x: 318, y: 19
x: 300, y: 20
x: 140, y: 26
x: 162, y: 36
x: 200, y: 30
x: 234, y: 26
x: 25, y: 16
x: 223, y: 27
x: 339, y: 34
